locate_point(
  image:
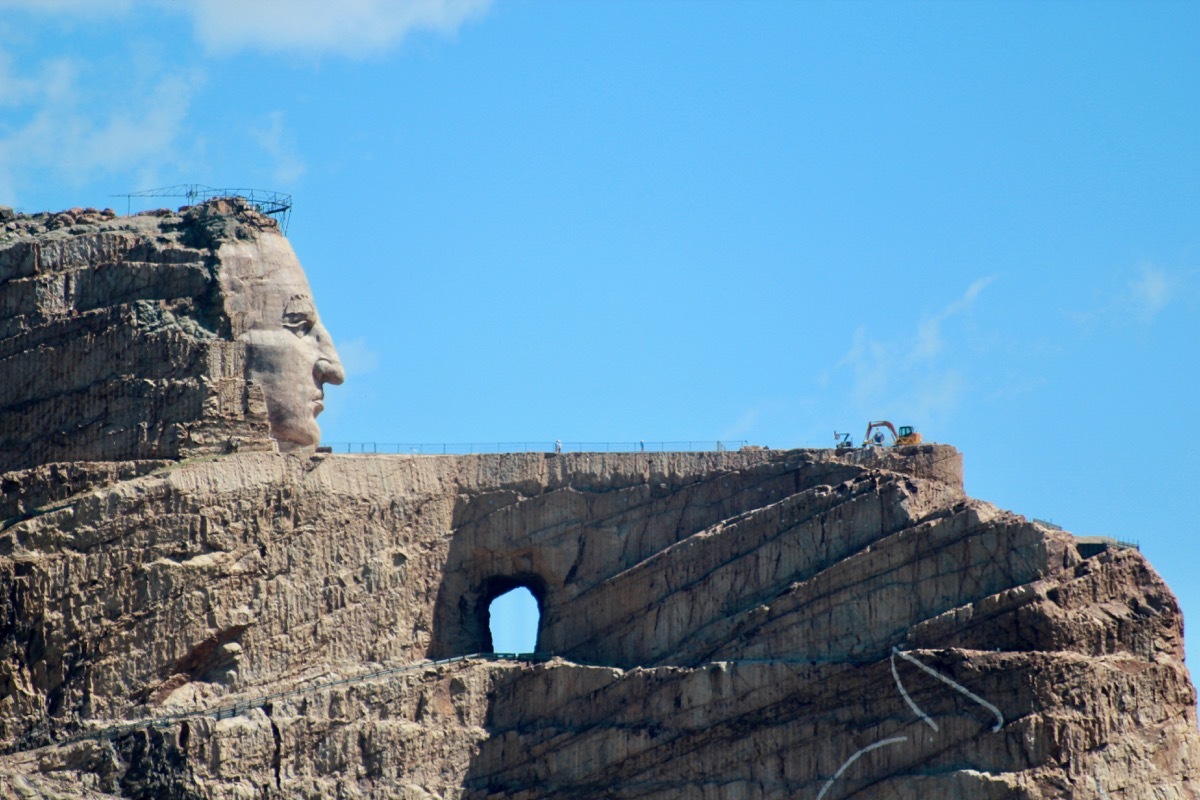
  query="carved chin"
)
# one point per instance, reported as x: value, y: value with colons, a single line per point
x: 292, y: 431
x: 285, y: 373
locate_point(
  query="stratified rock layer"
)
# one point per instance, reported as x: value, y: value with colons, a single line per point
x: 115, y: 337
x: 814, y: 624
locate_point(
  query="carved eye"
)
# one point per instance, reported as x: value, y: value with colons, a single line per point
x: 298, y: 322
x: 299, y: 315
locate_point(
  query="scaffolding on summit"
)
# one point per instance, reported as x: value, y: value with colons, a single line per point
x: 276, y: 205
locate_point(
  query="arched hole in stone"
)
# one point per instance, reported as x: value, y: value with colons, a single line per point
x: 513, y: 616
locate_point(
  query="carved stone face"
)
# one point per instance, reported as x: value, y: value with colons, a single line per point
x: 291, y: 355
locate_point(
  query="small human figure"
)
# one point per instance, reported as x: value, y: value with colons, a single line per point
x: 878, y: 438
x: 642, y: 444
x: 558, y: 445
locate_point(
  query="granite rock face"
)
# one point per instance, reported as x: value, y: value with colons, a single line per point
x: 144, y: 337
x: 195, y: 604
x: 759, y: 624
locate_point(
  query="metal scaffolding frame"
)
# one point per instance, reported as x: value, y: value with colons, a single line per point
x: 274, y: 204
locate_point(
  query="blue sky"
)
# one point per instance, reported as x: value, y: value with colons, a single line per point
x: 613, y: 221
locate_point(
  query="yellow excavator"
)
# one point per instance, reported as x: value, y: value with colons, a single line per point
x: 906, y: 435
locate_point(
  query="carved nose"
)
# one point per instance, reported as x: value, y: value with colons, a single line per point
x: 328, y: 368
x: 327, y: 371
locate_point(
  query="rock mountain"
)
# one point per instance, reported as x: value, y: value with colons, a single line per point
x: 196, y: 605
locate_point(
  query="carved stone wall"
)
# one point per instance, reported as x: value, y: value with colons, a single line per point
x: 757, y: 624
x: 819, y: 624
x: 115, y: 343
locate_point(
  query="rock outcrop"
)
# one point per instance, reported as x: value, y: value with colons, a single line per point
x: 721, y: 625
x: 196, y: 604
x: 161, y: 335
x: 111, y: 343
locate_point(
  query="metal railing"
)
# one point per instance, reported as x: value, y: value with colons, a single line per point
x: 577, y: 446
x: 1109, y: 541
x: 274, y: 204
x: 472, y: 448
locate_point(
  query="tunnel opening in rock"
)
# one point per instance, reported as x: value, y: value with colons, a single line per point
x: 511, y: 611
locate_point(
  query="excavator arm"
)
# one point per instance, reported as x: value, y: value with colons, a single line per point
x: 906, y: 436
x: 883, y: 423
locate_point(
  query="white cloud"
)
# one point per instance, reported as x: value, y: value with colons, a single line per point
x: 871, y: 362
x: 909, y: 375
x: 1136, y: 297
x: 929, y: 332
x: 349, y: 27
x: 1150, y: 292
x: 15, y: 89
x: 278, y: 144
x: 356, y: 357
x: 87, y: 9
x: 55, y: 126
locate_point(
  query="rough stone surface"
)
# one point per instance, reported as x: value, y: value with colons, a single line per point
x: 147, y: 337
x: 193, y: 606
x: 760, y: 624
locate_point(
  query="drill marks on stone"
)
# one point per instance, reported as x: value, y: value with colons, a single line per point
x: 911, y: 703
x: 855, y: 757
x: 958, y: 687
